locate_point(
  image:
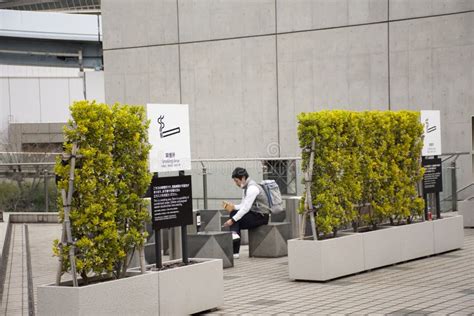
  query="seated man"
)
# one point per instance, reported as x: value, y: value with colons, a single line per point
x: 253, y: 210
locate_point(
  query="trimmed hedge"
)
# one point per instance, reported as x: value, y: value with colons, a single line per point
x: 107, y: 212
x: 366, y: 166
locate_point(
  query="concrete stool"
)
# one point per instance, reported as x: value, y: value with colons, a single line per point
x: 212, y: 245
x: 269, y: 241
x: 211, y: 219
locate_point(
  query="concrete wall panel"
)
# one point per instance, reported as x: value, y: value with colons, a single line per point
x: 76, y: 89
x: 27, y: 105
x: 142, y: 75
x: 4, y: 108
x: 95, y: 85
x: 54, y: 100
x: 432, y: 67
x: 297, y: 15
x: 403, y: 9
x: 331, y: 69
x: 128, y: 23
x: 210, y: 19
x: 231, y: 88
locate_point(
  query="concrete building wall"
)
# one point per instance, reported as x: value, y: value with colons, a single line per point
x: 40, y: 95
x: 248, y: 67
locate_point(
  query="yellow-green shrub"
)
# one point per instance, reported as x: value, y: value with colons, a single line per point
x: 107, y: 213
x: 362, y: 158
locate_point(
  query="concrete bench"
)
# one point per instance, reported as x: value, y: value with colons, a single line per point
x: 212, y: 245
x: 212, y: 220
x: 269, y: 241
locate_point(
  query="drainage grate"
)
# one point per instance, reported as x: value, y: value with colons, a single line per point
x: 265, y: 302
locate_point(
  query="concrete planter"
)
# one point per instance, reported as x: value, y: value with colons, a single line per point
x: 416, y: 240
x: 381, y: 247
x: 448, y: 233
x: 178, y: 291
x: 466, y: 209
x: 322, y: 260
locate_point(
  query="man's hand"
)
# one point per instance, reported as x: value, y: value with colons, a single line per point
x: 228, y: 223
x: 229, y: 207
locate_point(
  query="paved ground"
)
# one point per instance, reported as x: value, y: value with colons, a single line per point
x: 437, y: 285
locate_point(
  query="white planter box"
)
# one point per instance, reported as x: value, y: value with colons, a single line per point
x: 416, y: 241
x: 466, y: 209
x: 179, y: 291
x: 381, y: 247
x: 448, y: 233
x: 322, y: 260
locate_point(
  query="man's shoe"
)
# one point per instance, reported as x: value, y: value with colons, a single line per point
x: 235, y: 236
x: 236, y: 256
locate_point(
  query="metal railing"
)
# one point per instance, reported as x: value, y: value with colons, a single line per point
x: 453, y: 195
x: 210, y: 177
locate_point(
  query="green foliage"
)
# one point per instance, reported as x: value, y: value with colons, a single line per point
x: 362, y: 159
x: 26, y: 195
x: 107, y: 214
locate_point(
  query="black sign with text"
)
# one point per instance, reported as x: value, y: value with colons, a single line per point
x: 171, y: 202
x: 432, y: 179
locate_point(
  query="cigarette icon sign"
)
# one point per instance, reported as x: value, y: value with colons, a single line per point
x: 168, y: 132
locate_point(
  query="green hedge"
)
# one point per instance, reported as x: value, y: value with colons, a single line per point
x: 366, y: 166
x: 107, y: 212
x: 27, y: 195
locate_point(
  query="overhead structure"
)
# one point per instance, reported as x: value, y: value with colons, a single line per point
x: 50, y: 39
x: 70, y: 6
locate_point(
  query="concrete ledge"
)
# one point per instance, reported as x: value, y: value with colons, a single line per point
x: 269, y: 241
x: 5, y: 237
x: 34, y: 217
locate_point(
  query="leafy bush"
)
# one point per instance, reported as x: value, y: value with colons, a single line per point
x: 362, y: 161
x: 107, y: 214
x: 26, y: 196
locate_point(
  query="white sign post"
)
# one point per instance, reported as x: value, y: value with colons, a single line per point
x: 432, y: 133
x: 169, y: 136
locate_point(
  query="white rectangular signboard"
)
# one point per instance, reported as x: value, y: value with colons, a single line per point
x: 169, y: 136
x: 432, y: 133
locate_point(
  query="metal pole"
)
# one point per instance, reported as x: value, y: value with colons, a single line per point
x: 174, y: 243
x: 158, y: 263
x: 264, y: 170
x: 83, y: 74
x: 425, y: 197
x: 158, y: 258
x: 46, y: 195
x: 204, y: 185
x: 438, y: 206
x: 454, y: 187
x: 184, y: 244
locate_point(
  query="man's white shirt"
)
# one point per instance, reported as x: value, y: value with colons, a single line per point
x: 247, y: 202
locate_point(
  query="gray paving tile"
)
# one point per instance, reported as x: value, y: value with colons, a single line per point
x: 265, y: 302
x: 401, y: 289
